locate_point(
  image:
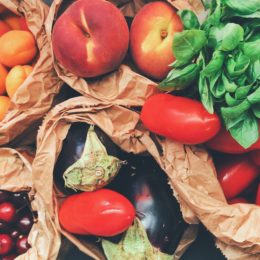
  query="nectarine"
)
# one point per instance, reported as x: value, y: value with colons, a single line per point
x: 17, y: 48
x: 3, y: 74
x: 16, y: 76
x: 90, y: 38
x: 4, y: 28
x: 151, y: 37
x: 4, y: 106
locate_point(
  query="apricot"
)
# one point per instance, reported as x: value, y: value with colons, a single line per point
x: 3, y: 74
x: 4, y: 28
x: 4, y: 106
x: 15, y: 78
x: 12, y: 20
x: 17, y: 48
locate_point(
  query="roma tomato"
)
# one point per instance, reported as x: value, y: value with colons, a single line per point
x: 255, y: 156
x: 236, y: 175
x: 102, y: 213
x: 179, y: 118
x: 225, y: 143
x: 257, y: 202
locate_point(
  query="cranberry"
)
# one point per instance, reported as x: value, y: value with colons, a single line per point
x: 20, y: 199
x: 4, y: 227
x: 15, y: 234
x: 6, y: 244
x: 7, y: 212
x: 24, y: 224
x: 9, y: 257
x: 22, y: 245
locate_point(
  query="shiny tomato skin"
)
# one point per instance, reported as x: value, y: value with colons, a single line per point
x: 225, y: 143
x: 102, y: 213
x: 238, y: 200
x: 179, y: 118
x: 255, y: 156
x: 236, y: 175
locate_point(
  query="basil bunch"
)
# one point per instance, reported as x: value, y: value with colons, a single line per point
x: 222, y: 56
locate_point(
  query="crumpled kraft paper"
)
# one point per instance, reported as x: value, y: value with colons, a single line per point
x: 35, y: 96
x: 16, y: 175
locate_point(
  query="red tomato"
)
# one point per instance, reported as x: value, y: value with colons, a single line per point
x: 225, y: 143
x: 255, y: 156
x: 257, y: 202
x: 236, y: 175
x: 179, y: 118
x: 102, y: 213
x: 238, y: 200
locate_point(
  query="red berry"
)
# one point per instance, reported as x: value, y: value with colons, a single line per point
x: 9, y: 257
x: 24, y: 224
x: 7, y: 212
x: 22, y: 245
x: 4, y: 196
x: 6, y: 244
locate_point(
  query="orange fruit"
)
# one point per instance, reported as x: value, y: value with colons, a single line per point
x: 2, y: 9
x: 4, y: 106
x: 3, y: 74
x: 15, y: 78
x: 12, y: 20
x: 4, y: 28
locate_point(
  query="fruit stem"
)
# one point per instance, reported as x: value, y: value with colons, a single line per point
x: 164, y: 34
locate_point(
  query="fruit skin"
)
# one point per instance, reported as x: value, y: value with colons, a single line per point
x: 4, y: 28
x: 236, y: 175
x: 179, y: 118
x: 225, y: 143
x: 23, y: 24
x: 238, y: 200
x: 17, y: 48
x: 257, y: 202
x: 9, y: 257
x: 3, y: 75
x: 22, y: 245
x: 12, y: 20
x: 2, y: 9
x: 15, y: 78
x: 6, y: 244
x: 25, y: 223
x: 151, y: 38
x: 7, y: 211
x: 4, y: 106
x: 102, y: 213
x: 90, y: 38
x: 4, y: 196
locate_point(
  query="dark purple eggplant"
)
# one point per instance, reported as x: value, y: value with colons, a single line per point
x: 72, y: 149
x: 144, y: 183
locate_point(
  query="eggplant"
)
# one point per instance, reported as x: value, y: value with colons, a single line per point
x: 145, y: 184
x: 72, y: 150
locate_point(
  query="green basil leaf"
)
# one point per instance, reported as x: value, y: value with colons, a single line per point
x: 217, y: 87
x: 231, y: 101
x: 253, y: 72
x: 189, y: 19
x: 186, y: 45
x: 180, y: 78
x: 252, y: 49
x: 256, y: 110
x: 255, y: 15
x: 209, y: 4
x: 230, y: 86
x: 242, y: 92
x: 205, y: 95
x: 243, y: 7
x: 254, y: 98
x: 237, y: 65
x: 214, y: 18
x: 246, y: 131
x: 215, y: 64
x: 228, y: 113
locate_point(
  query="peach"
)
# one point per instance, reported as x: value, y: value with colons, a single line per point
x: 4, y: 106
x: 12, y: 20
x: 23, y: 24
x: 151, y: 38
x: 2, y: 9
x: 4, y: 28
x: 17, y: 48
x: 90, y: 38
x: 15, y: 78
x: 3, y: 75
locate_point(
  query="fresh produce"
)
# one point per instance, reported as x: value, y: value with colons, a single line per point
x: 223, y: 142
x: 73, y: 149
x: 3, y: 75
x: 237, y: 200
x: 145, y: 184
x: 236, y: 174
x: 102, y: 213
x: 4, y: 106
x: 151, y: 38
x: 221, y: 57
x: 4, y: 28
x: 257, y: 202
x: 12, y: 20
x: 179, y: 118
x: 16, y: 221
x: 2, y: 9
x: 90, y: 38
x: 15, y: 78
x: 255, y: 156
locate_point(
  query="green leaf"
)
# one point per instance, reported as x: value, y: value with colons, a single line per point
x: 205, y: 95
x: 189, y: 19
x: 237, y: 65
x: 252, y: 49
x: 242, y: 92
x: 230, y: 86
x: 135, y: 245
x: 186, y: 45
x: 215, y: 64
x: 209, y: 4
x: 214, y: 18
x: 243, y: 6
x: 253, y: 72
x: 217, y: 87
x: 231, y: 101
x: 256, y: 110
x: 180, y: 78
x: 254, y: 98
x: 246, y: 132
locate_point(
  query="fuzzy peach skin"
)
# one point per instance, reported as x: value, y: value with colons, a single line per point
x: 3, y: 75
x: 17, y: 48
x: 12, y: 20
x: 151, y: 37
x: 90, y: 38
x: 15, y: 78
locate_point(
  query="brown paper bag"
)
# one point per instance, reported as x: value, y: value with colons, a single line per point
x: 16, y: 175
x: 34, y: 97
